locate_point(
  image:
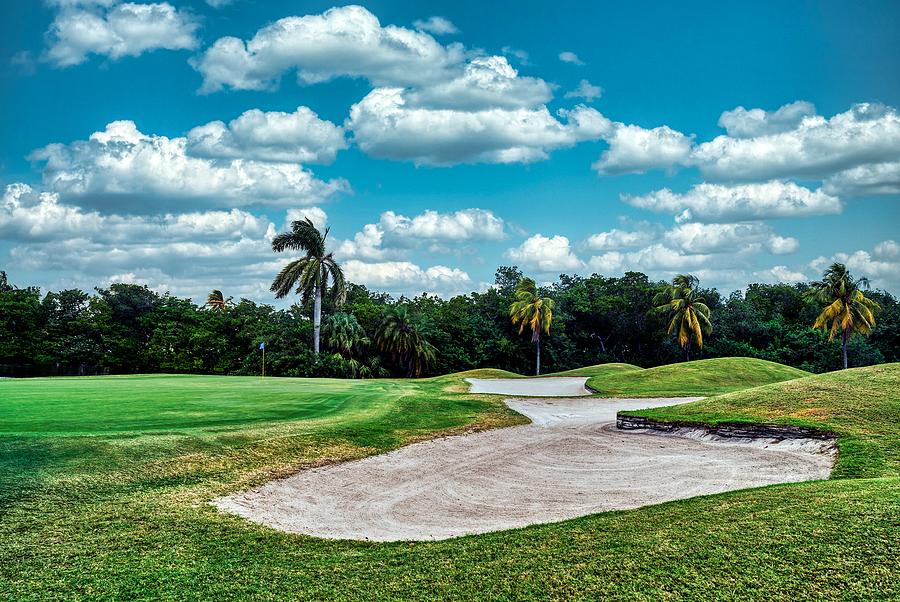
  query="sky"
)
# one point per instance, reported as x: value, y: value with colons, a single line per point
x: 167, y: 143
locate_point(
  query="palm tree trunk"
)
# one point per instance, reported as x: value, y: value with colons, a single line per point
x: 317, y: 319
x: 687, y: 352
x: 537, y: 369
x: 844, y: 338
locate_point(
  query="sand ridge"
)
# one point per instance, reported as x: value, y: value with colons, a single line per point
x: 571, y: 461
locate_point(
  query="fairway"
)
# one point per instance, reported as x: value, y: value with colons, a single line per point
x: 97, y: 405
x: 105, y: 486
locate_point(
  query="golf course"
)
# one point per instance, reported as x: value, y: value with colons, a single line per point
x: 107, y: 484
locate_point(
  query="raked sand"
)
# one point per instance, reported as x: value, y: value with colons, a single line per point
x: 571, y: 461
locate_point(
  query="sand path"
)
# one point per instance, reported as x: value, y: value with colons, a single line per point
x: 571, y: 461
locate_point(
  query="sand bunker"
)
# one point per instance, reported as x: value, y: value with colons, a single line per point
x: 550, y: 386
x: 570, y: 462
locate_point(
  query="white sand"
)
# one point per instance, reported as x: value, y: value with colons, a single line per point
x: 571, y: 461
x: 550, y: 386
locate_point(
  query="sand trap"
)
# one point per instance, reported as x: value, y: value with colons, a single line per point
x: 570, y: 462
x: 550, y: 386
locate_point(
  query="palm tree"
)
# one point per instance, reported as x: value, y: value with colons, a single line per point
x: 402, y: 334
x: 848, y: 310
x: 688, y: 312
x: 531, y: 310
x: 217, y: 302
x: 311, y: 274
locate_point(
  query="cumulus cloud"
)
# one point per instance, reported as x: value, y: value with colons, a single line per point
x: 716, y: 202
x: 395, y: 233
x: 269, y: 136
x: 131, y: 171
x: 883, y: 270
x: 744, y: 123
x: 343, y: 41
x: 117, y: 30
x: 486, y: 82
x: 876, y: 179
x: 656, y: 258
x: 817, y: 147
x: 436, y: 25
x: 695, y: 237
x: 633, y: 149
x: 780, y: 273
x: 407, y: 278
x: 545, y: 255
x: 386, y: 128
x: 316, y: 215
x: 585, y: 90
x: 570, y: 57
x: 619, y: 239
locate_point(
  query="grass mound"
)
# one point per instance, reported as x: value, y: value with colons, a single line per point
x: 700, y: 377
x: 600, y: 370
x: 862, y: 405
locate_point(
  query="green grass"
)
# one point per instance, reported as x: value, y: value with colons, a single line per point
x: 697, y: 378
x: 600, y: 370
x: 861, y: 405
x: 103, y: 499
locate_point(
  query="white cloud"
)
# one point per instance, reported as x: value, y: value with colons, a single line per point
x: 744, y: 123
x: 486, y: 82
x: 888, y: 249
x: 585, y: 90
x: 545, y: 255
x: 386, y: 128
x: 817, y: 147
x: 654, y: 258
x: 137, y: 172
x: 780, y: 273
x: 316, y: 215
x: 570, y: 57
x: 343, y: 41
x: 395, y: 233
x: 220, y: 3
x: 883, y: 270
x: 633, y: 149
x: 694, y: 237
x: 715, y: 202
x: 866, y: 180
x: 436, y: 25
x: 520, y: 54
x: 404, y: 277
x: 299, y: 137
x: 117, y: 30
x: 619, y: 239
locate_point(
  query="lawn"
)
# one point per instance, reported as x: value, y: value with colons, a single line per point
x: 104, y: 484
x: 700, y: 377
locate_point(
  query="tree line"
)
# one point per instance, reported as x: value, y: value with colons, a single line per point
x: 126, y: 328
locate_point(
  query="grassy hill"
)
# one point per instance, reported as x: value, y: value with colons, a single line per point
x: 600, y: 370
x: 700, y: 377
x: 862, y: 405
x: 104, y: 485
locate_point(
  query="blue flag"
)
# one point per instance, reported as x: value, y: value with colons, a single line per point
x: 262, y: 345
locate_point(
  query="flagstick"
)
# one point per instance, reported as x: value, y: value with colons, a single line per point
x: 264, y: 363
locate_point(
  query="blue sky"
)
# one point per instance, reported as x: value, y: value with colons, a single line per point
x: 164, y: 143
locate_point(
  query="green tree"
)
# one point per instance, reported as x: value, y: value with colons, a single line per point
x: 848, y: 310
x: 530, y: 309
x: 312, y: 275
x: 347, y: 340
x: 216, y: 301
x: 402, y: 335
x: 688, y: 312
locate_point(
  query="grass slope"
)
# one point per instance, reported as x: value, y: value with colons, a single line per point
x: 862, y: 405
x: 91, y: 508
x: 600, y: 370
x: 700, y: 377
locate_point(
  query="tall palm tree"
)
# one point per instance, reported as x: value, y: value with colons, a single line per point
x: 217, y: 302
x: 401, y: 334
x: 531, y: 310
x: 313, y: 275
x: 848, y: 310
x: 688, y: 312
